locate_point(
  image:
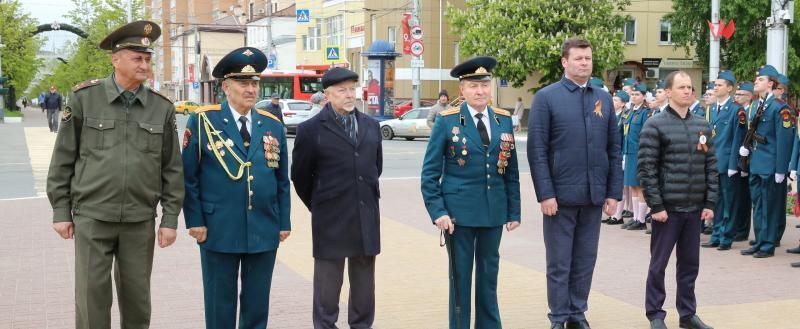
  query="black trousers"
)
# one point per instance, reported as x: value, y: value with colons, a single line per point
x: 683, y: 230
x: 328, y: 277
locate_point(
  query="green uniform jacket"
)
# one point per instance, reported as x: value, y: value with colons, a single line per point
x: 113, y: 163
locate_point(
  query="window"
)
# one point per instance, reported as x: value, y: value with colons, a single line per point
x: 335, y: 30
x: 630, y: 31
x: 252, y: 8
x: 373, y: 25
x: 392, y: 37
x: 310, y: 85
x: 311, y: 41
x: 665, y: 35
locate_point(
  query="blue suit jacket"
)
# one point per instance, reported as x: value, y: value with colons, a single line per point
x: 699, y: 111
x: 574, y: 145
x: 472, y: 192
x: 778, y: 127
x: 216, y: 201
x: 724, y: 122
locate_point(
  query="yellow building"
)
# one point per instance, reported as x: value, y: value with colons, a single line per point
x: 335, y: 24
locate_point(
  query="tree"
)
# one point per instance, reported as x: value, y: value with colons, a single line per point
x: 746, y: 50
x: 98, y: 18
x: 19, y: 54
x: 526, y: 35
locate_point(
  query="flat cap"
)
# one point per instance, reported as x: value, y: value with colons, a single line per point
x: 337, y: 75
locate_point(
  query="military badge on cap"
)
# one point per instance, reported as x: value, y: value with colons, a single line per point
x: 244, y: 63
x: 148, y: 29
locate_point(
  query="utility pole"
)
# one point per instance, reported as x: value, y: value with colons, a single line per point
x: 269, y: 49
x: 2, y: 99
x: 782, y: 14
x: 414, y: 21
x: 130, y: 11
x: 713, y: 65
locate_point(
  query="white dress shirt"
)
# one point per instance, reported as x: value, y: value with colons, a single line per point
x: 236, y: 117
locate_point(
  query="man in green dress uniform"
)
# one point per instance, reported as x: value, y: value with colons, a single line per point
x: 116, y: 157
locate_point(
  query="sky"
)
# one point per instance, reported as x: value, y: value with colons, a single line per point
x: 49, y: 11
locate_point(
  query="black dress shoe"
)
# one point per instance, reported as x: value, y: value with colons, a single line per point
x: 627, y: 214
x: 556, y: 325
x: 605, y: 220
x: 724, y: 247
x: 637, y: 226
x: 740, y: 239
x: 694, y: 323
x: 583, y: 324
x: 763, y: 254
x: 707, y: 231
x: 710, y: 244
x: 796, y: 264
x: 658, y: 324
x: 615, y: 221
x: 793, y: 250
x: 626, y: 225
x: 748, y: 252
x: 752, y: 242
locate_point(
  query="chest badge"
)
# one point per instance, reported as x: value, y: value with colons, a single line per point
x: 598, y: 108
x: 702, y: 143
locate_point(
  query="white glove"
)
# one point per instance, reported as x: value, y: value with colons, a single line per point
x: 744, y: 174
x: 779, y: 178
x: 743, y: 151
x: 793, y: 174
x: 732, y: 172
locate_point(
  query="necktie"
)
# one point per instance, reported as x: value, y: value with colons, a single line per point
x: 127, y: 98
x: 350, y: 127
x: 243, y: 131
x: 482, y: 130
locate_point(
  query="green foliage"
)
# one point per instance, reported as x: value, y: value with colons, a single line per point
x: 526, y: 35
x: 12, y: 114
x: 97, y: 18
x: 19, y: 54
x: 746, y: 50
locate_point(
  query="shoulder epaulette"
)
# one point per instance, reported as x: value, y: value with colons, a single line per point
x: 87, y: 83
x: 160, y: 94
x: 268, y: 115
x: 215, y: 107
x: 450, y: 111
x: 502, y: 112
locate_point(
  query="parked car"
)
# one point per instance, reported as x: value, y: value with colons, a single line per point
x: 294, y: 112
x: 405, y: 106
x: 185, y: 107
x: 413, y: 124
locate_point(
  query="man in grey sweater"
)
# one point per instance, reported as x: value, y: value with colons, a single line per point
x: 678, y: 171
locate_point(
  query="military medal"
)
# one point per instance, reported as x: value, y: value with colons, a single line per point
x: 218, y: 144
x: 452, y: 151
x: 455, y: 134
x: 701, y: 144
x: 229, y: 142
x: 464, y: 150
x: 271, y: 150
x: 461, y: 162
x: 186, y: 135
x: 455, y: 139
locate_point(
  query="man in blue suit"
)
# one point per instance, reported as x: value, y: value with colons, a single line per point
x: 724, y: 118
x: 743, y: 97
x: 237, y: 194
x: 574, y: 155
x: 470, y: 184
x: 336, y: 163
x: 769, y: 162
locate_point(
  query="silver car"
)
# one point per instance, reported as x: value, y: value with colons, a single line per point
x: 294, y: 112
x: 412, y: 124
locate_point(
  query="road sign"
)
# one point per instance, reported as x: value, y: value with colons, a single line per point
x: 271, y: 61
x: 416, y: 48
x: 416, y: 32
x: 417, y: 62
x: 195, y: 85
x: 332, y: 54
x: 303, y: 15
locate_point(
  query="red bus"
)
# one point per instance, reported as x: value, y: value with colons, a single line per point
x: 289, y: 85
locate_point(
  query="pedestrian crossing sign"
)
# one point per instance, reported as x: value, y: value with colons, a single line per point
x: 303, y: 15
x: 332, y: 54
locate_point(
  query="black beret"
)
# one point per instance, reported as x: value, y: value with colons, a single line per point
x: 137, y: 36
x: 476, y: 69
x: 337, y: 75
x: 244, y: 63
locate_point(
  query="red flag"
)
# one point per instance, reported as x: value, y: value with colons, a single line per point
x: 727, y: 32
x: 406, y: 34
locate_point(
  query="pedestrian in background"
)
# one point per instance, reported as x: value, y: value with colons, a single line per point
x: 52, y: 103
x: 516, y: 117
x: 318, y: 101
x: 442, y: 104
